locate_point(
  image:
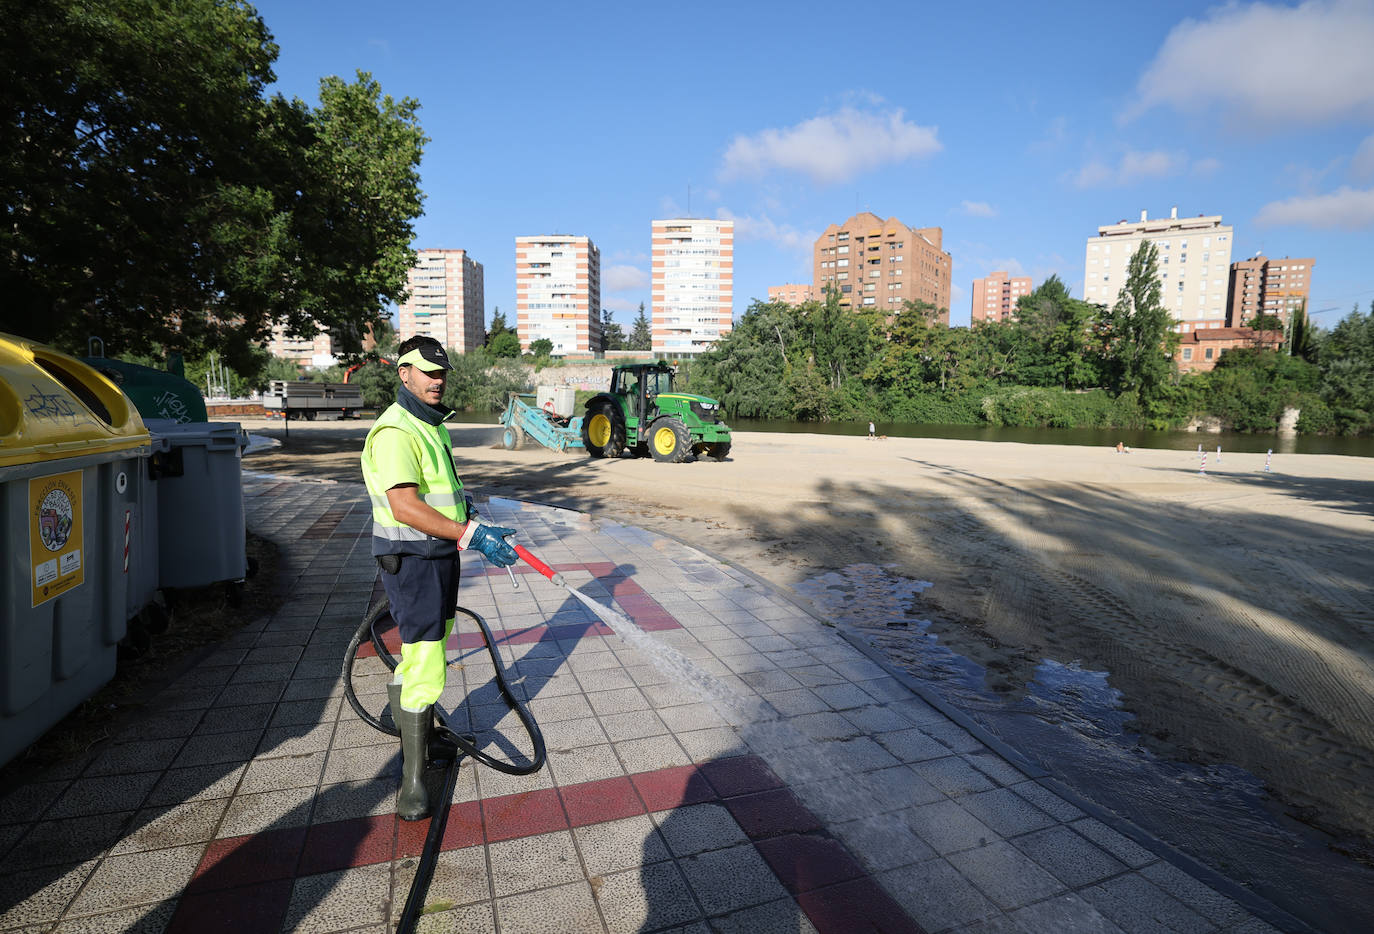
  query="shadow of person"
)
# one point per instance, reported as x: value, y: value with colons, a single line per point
x: 284, y: 873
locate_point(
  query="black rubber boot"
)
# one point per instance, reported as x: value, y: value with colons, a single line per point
x: 413, y: 801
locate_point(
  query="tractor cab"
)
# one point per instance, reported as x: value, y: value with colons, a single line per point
x: 640, y: 385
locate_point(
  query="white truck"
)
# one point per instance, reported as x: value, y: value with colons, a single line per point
x: 299, y: 398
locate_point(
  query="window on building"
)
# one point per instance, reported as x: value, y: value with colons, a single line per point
x: 1187, y: 353
x: 1207, y: 353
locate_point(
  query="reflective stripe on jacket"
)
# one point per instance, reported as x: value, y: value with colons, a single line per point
x: 439, y: 486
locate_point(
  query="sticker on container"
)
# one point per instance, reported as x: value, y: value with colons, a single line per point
x: 55, y: 536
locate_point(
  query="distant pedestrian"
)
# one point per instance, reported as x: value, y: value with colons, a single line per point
x: 872, y: 431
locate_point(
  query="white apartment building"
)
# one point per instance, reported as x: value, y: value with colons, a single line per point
x: 693, y: 274
x: 447, y: 300
x: 1194, y: 265
x: 558, y: 292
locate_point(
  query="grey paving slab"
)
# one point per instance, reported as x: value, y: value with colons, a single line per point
x: 257, y: 739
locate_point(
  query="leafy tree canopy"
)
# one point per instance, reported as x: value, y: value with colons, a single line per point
x: 156, y: 197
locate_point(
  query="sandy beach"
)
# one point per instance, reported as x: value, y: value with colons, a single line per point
x: 1234, y: 611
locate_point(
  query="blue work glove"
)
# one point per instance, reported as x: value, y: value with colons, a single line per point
x: 490, y: 540
x: 471, y: 505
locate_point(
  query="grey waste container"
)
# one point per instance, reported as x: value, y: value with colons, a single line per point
x: 200, y: 526
x: 71, y: 449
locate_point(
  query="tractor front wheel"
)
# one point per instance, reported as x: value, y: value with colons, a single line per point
x: 603, y: 432
x: 669, y: 441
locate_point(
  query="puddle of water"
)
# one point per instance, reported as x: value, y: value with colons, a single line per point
x: 1071, y: 721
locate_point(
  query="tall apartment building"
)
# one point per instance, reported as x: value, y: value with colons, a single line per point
x: 693, y: 276
x: 792, y: 293
x: 317, y: 352
x: 995, y: 295
x: 558, y: 292
x: 879, y: 264
x: 1194, y: 265
x: 447, y: 300
x: 1260, y: 285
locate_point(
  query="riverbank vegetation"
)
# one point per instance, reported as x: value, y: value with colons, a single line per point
x: 1062, y: 363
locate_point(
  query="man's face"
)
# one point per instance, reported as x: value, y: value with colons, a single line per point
x: 427, y: 387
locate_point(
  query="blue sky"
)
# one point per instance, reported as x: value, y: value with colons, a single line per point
x: 1017, y: 129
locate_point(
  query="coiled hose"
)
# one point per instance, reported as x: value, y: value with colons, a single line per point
x: 444, y: 744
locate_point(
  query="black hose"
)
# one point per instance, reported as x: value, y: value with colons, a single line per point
x: 450, y: 743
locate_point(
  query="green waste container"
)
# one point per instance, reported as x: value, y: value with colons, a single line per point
x: 156, y: 394
x: 71, y: 449
x: 201, y: 530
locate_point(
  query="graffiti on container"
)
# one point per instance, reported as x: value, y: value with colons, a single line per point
x: 49, y: 405
x: 170, y: 405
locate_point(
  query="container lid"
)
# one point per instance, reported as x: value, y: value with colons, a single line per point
x: 155, y: 393
x: 53, y: 406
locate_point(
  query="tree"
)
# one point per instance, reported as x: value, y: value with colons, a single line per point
x: 1265, y: 322
x: 1301, y: 340
x: 501, y: 340
x: 154, y: 195
x: 1141, y: 341
x: 612, y: 335
x: 541, y: 349
x: 1059, y: 330
x: 642, y: 335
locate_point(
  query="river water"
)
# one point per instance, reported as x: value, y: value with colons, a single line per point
x: 1090, y: 437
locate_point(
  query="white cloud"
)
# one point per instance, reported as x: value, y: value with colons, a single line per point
x: 1055, y: 136
x: 765, y: 228
x: 832, y: 147
x: 1206, y: 168
x: 977, y: 209
x: 1267, y: 66
x: 1362, y: 163
x: 1343, y: 209
x: 1134, y: 166
x: 623, y: 278
x: 630, y: 305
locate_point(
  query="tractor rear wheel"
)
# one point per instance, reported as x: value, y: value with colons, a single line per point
x: 669, y: 441
x: 717, y: 450
x: 512, y: 438
x: 603, y: 432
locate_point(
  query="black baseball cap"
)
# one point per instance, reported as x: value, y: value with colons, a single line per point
x: 429, y: 357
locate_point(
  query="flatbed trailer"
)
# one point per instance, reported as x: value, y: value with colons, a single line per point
x: 300, y: 398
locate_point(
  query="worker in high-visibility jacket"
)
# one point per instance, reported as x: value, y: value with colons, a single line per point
x: 421, y: 519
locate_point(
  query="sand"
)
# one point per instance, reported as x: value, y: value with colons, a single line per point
x: 1235, y: 611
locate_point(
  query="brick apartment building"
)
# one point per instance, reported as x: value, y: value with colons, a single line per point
x: 995, y: 295
x: 447, y: 300
x: 879, y: 264
x: 558, y: 292
x: 1261, y: 285
x: 792, y: 293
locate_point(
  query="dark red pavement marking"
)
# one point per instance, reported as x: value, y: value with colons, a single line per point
x: 644, y: 611
x: 770, y: 813
x: 598, y: 802
x: 739, y: 775
x: 673, y: 787
x: 857, y: 905
x: 245, y: 877
x: 237, y: 861
x: 344, y: 844
x: 525, y: 814
x: 803, y: 862
x: 259, y: 907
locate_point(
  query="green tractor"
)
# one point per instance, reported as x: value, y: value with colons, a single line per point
x: 642, y: 412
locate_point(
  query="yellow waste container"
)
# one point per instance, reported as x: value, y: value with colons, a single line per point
x: 72, y: 449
